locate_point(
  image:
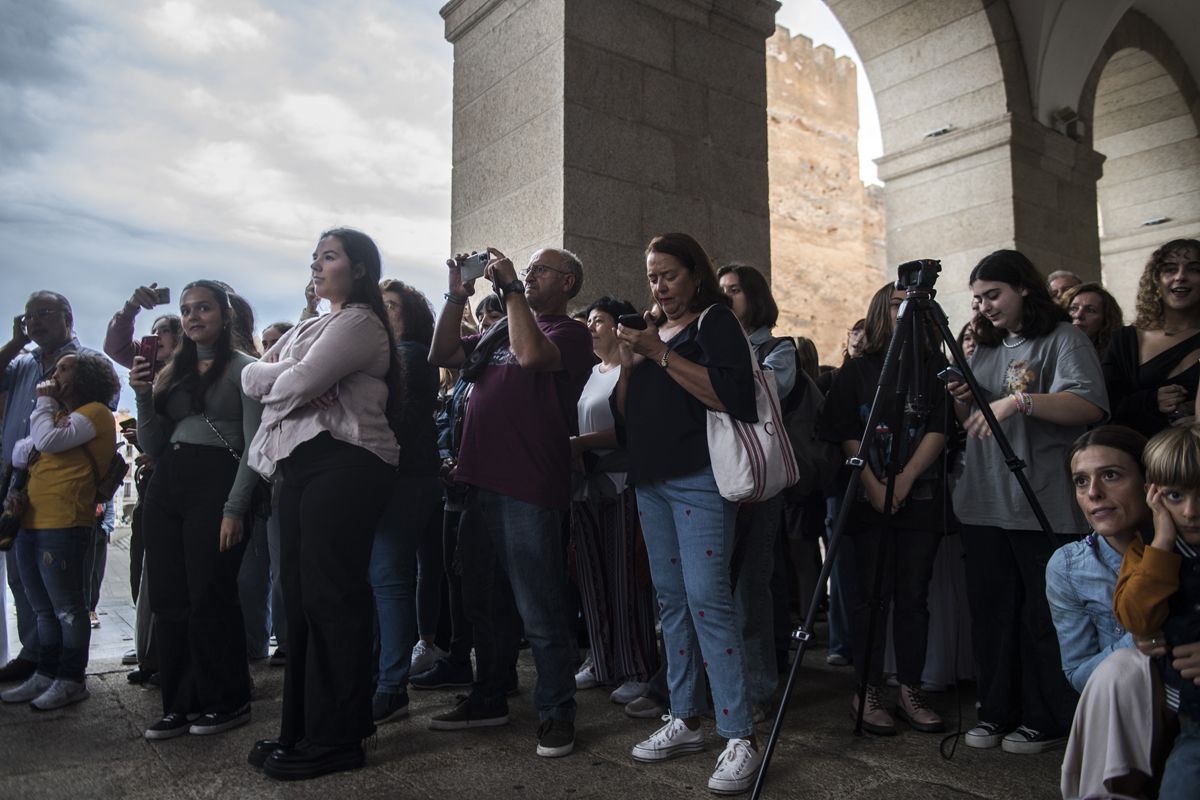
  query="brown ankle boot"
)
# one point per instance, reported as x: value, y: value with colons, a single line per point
x: 916, y: 712
x: 876, y: 718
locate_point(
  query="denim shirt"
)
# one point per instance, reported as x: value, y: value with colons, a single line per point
x: 1080, y: 579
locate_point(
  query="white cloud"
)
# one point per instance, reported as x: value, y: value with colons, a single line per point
x: 182, y: 24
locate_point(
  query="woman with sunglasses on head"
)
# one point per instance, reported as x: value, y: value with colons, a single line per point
x: 1041, y: 378
x: 1152, y: 367
x: 327, y: 389
x: 195, y: 420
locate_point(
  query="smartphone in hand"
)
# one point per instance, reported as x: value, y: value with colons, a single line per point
x: 162, y: 296
x: 472, y: 267
x: 148, y: 349
x: 634, y: 321
x: 951, y: 374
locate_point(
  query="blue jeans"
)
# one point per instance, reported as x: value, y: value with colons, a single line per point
x: 515, y: 556
x: 393, y: 574
x: 688, y: 529
x: 758, y: 526
x: 1181, y: 775
x: 843, y: 586
x: 254, y: 589
x: 52, y: 563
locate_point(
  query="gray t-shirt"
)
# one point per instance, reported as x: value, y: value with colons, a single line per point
x: 987, y: 494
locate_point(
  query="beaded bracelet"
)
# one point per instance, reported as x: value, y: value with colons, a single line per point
x: 1024, y: 403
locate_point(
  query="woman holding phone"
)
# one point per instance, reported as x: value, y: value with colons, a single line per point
x: 194, y: 420
x: 1041, y: 377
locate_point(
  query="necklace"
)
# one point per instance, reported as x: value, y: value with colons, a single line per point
x: 1015, y: 344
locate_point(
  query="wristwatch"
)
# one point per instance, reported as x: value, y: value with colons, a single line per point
x: 509, y: 288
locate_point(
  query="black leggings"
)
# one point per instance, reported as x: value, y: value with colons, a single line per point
x: 333, y: 495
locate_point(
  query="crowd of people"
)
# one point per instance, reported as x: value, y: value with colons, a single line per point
x: 403, y: 499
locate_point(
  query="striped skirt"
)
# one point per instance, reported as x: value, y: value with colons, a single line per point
x: 615, y: 588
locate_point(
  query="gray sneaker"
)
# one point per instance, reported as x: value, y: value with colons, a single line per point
x: 32, y: 688
x: 61, y: 693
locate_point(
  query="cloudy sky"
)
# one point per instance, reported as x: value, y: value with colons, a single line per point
x: 167, y: 140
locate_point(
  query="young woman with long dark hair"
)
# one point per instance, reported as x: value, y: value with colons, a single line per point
x: 1042, y: 379
x: 908, y: 535
x: 195, y: 420
x: 326, y: 390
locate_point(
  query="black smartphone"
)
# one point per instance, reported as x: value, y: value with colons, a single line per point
x: 635, y: 321
x: 951, y: 374
x: 162, y: 296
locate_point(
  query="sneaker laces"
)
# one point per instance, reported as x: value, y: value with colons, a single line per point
x: 874, y: 698
x: 1028, y: 732
x: 737, y: 749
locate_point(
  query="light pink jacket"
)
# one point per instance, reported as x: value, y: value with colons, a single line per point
x: 346, y: 350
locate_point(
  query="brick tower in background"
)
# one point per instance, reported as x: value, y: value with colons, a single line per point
x: 827, y: 227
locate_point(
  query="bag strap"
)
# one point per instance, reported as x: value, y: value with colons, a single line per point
x: 92, y: 460
x: 236, y: 455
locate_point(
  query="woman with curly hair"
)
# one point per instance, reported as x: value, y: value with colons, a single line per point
x: 1094, y: 311
x: 1152, y: 367
x: 71, y: 434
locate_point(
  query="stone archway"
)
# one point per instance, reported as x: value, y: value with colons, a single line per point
x: 1142, y: 110
x: 966, y: 167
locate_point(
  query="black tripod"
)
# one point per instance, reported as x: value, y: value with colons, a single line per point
x: 901, y: 368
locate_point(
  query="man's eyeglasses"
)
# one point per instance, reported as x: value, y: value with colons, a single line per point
x: 40, y: 313
x: 538, y: 270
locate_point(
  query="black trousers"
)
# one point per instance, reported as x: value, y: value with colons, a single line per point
x: 907, y: 562
x: 198, y: 628
x: 333, y: 495
x: 1021, y: 680
x: 461, y: 638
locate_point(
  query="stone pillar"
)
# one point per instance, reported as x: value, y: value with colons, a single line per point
x: 596, y: 125
x: 1006, y: 183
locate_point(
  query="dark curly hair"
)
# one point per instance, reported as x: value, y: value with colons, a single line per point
x: 416, y: 314
x: 95, y: 380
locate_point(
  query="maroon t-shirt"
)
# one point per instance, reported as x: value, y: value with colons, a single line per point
x: 518, y: 423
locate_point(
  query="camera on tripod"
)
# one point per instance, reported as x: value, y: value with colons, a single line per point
x: 918, y: 275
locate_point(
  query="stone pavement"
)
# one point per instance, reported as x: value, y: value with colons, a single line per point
x: 95, y: 749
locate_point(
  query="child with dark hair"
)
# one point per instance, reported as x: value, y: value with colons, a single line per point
x: 195, y: 421
x: 1158, y: 593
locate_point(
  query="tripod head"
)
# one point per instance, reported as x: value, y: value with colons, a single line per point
x: 918, y: 277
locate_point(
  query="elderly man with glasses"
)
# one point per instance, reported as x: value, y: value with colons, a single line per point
x: 528, y: 370
x: 47, y: 324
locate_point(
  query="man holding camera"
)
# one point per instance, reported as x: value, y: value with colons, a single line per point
x: 529, y: 371
x: 47, y: 323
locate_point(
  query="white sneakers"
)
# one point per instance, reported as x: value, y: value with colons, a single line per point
x: 736, y: 768
x: 46, y: 694
x: 424, y: 656
x: 628, y: 691
x: 61, y: 693
x: 671, y: 740
x: 30, y: 690
x: 585, y: 678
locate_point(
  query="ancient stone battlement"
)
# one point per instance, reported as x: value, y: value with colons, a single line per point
x: 827, y: 228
